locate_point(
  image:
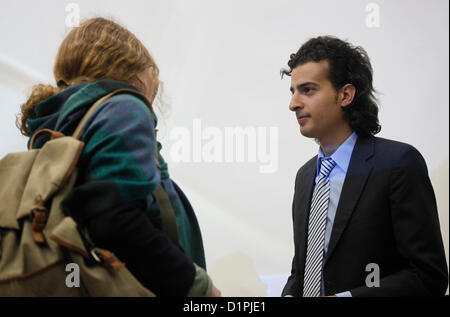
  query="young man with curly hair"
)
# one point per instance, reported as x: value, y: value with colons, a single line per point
x: 364, y: 211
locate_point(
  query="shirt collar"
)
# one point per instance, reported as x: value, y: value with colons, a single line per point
x: 342, y: 155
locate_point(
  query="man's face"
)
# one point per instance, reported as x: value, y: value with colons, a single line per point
x: 314, y: 101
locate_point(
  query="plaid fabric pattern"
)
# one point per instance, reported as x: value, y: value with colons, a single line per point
x: 117, y: 165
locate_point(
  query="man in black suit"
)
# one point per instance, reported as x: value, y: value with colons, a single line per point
x: 364, y: 211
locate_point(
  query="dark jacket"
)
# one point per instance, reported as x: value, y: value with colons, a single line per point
x: 386, y: 215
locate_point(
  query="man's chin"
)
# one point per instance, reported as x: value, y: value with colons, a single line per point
x: 306, y: 133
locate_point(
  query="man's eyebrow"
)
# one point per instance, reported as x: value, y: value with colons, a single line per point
x: 299, y: 87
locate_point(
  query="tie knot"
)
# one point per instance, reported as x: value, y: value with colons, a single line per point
x: 326, y: 167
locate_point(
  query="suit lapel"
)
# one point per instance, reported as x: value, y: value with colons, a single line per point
x: 358, y: 172
x: 305, y: 187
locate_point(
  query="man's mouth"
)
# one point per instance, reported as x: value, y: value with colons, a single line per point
x: 302, y: 119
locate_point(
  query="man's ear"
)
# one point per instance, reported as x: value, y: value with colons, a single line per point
x: 346, y: 95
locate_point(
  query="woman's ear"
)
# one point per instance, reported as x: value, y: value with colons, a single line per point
x: 61, y: 84
x: 346, y: 95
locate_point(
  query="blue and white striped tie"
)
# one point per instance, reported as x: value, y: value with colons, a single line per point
x: 316, y: 231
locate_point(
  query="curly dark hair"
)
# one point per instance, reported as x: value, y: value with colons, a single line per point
x: 347, y: 65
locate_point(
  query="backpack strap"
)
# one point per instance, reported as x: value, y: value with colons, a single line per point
x: 169, y: 223
x: 54, y: 135
x: 80, y: 128
x: 168, y: 218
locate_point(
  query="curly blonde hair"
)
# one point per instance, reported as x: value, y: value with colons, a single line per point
x: 98, y: 49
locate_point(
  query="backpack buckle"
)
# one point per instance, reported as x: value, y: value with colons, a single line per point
x: 39, y: 217
x: 95, y: 256
x: 108, y: 259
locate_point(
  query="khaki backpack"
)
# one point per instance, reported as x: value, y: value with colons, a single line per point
x: 41, y: 249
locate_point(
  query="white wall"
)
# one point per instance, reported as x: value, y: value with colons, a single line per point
x: 220, y: 62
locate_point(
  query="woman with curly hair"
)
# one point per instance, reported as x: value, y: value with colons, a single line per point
x: 120, y: 167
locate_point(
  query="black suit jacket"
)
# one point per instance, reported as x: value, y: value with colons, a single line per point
x: 386, y: 215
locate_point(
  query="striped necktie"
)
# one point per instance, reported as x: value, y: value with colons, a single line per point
x: 316, y: 231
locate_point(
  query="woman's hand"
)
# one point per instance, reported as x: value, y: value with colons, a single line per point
x: 215, y: 292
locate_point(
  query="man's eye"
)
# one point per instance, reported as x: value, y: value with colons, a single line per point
x: 307, y: 90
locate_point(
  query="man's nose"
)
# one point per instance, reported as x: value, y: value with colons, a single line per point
x: 295, y: 104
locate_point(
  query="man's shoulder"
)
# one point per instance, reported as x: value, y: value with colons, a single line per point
x: 394, y: 149
x: 393, y: 145
x: 392, y: 153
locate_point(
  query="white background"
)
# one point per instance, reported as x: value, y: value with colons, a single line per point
x: 220, y: 62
